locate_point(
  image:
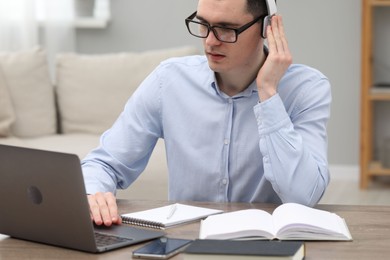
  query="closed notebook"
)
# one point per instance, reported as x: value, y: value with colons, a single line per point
x: 254, y: 249
x: 168, y: 216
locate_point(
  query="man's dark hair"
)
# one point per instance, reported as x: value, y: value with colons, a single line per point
x: 257, y: 7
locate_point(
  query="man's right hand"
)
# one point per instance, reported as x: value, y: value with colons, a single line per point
x: 103, y: 209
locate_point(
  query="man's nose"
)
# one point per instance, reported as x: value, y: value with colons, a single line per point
x: 212, y: 39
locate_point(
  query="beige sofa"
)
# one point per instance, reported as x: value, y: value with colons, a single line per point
x: 90, y: 92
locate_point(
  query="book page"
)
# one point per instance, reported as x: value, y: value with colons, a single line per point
x: 295, y: 220
x: 238, y: 224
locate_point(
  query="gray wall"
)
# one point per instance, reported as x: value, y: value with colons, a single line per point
x: 140, y: 25
x: 322, y: 34
x: 327, y: 36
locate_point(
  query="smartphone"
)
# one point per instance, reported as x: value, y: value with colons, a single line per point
x: 161, y: 248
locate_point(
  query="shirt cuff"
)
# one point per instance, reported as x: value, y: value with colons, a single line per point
x: 271, y: 114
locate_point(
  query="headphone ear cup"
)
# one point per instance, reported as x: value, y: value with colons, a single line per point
x: 266, y: 22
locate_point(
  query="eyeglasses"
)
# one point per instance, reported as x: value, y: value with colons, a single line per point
x: 223, y: 34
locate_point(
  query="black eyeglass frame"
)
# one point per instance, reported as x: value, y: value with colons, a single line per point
x: 237, y: 31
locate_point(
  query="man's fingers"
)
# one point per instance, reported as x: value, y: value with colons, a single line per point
x: 278, y: 46
x: 277, y: 61
x: 94, y: 210
x: 112, y: 207
x: 103, y: 208
x: 276, y: 34
x: 282, y: 34
x: 271, y: 41
x: 277, y: 40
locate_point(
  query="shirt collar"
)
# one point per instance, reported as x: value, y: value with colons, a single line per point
x: 252, y: 88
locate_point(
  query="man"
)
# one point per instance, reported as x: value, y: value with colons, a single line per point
x: 239, y: 124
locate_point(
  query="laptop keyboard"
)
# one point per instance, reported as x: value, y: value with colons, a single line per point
x: 105, y: 240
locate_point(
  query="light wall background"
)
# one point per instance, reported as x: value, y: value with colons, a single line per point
x: 322, y: 34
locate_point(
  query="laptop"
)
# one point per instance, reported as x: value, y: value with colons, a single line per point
x: 43, y: 199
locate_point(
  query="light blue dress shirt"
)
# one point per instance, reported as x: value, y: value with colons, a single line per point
x: 220, y: 148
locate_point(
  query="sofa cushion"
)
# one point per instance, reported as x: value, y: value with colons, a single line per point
x: 32, y: 95
x: 7, y: 115
x: 93, y: 89
x: 155, y: 175
x: 79, y: 144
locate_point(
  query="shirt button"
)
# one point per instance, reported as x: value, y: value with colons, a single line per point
x: 226, y: 141
x: 224, y: 181
x: 230, y: 100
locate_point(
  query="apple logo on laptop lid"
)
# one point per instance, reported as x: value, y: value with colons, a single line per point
x: 34, y: 194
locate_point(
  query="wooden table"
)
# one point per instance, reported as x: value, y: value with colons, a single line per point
x: 369, y: 226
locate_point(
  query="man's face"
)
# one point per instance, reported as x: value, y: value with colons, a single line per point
x: 229, y: 57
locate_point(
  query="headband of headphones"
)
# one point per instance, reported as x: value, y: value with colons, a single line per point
x: 271, y: 8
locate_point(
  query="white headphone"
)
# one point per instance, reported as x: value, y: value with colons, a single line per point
x: 271, y: 7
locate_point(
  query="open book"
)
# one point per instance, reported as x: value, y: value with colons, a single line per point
x: 168, y: 216
x: 289, y: 221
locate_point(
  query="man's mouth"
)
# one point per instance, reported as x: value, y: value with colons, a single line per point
x: 215, y: 56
